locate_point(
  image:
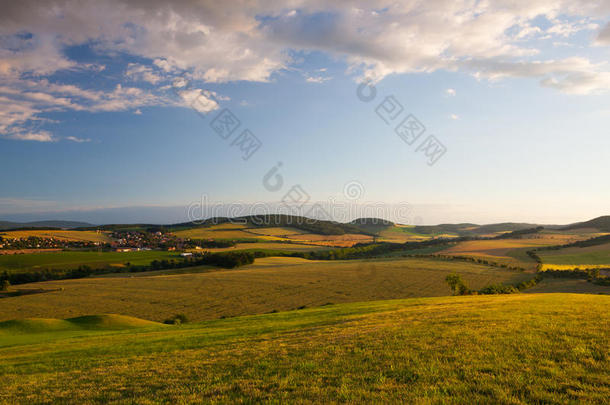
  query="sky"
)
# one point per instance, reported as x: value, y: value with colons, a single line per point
x: 422, y: 112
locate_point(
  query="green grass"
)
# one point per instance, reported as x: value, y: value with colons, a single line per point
x: 517, y: 349
x: 269, y: 284
x: 577, y: 256
x: 67, y: 260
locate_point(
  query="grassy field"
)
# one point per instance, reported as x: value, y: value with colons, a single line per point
x: 516, y: 349
x: 70, y: 236
x: 583, y: 257
x: 269, y: 284
x: 67, y: 260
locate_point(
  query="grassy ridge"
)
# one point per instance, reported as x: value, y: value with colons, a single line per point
x: 512, y: 349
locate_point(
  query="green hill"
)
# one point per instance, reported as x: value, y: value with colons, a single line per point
x: 521, y: 348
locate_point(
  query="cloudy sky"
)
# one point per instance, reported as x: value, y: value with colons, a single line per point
x: 477, y: 111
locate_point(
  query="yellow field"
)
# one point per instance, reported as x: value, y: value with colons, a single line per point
x: 582, y: 266
x: 71, y: 236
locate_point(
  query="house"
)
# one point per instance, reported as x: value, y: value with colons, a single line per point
x: 186, y: 254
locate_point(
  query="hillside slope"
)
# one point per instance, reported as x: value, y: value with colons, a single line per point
x: 602, y: 224
x: 540, y: 348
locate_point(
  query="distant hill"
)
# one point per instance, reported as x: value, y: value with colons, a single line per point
x: 316, y: 226
x: 467, y: 229
x: 372, y: 225
x: 601, y: 223
x: 7, y: 225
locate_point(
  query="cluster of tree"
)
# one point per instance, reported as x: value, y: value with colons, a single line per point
x: 458, y: 287
x: 520, y: 233
x: 35, y: 242
x: 588, y: 274
x: 476, y: 260
x: 227, y: 260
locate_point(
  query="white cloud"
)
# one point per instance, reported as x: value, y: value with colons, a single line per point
x: 252, y: 39
x: 450, y: 92
x: 454, y: 116
x: 77, y: 140
x: 42, y: 136
x: 139, y: 72
x: 200, y: 100
x: 317, y: 79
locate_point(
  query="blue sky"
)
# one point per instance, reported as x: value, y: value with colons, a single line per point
x: 94, y: 119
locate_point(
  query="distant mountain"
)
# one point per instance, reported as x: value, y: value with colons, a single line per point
x: 7, y: 225
x: 601, y: 223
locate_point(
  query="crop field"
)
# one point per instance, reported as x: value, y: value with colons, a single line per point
x: 508, y: 251
x: 400, y: 234
x: 583, y: 257
x: 270, y: 284
x: 276, y: 231
x: 275, y: 246
x: 70, y: 236
x: 524, y: 348
x: 67, y: 260
x: 346, y: 240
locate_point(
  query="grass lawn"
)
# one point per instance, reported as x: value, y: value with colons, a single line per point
x: 67, y: 260
x: 267, y: 285
x: 516, y: 349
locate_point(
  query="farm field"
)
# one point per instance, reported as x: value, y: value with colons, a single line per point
x: 67, y: 260
x: 269, y: 284
x: 70, y: 236
x: 524, y: 348
x: 508, y: 251
x: 583, y: 257
x: 275, y: 246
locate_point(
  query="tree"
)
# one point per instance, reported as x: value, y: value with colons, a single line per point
x: 4, y: 285
x: 456, y: 284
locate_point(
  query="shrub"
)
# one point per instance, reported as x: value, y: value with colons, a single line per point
x: 177, y: 319
x: 498, y: 289
x: 456, y: 284
x: 4, y: 285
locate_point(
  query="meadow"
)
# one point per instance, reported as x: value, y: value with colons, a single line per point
x: 67, y: 259
x: 270, y: 284
x: 69, y: 236
x: 515, y: 349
